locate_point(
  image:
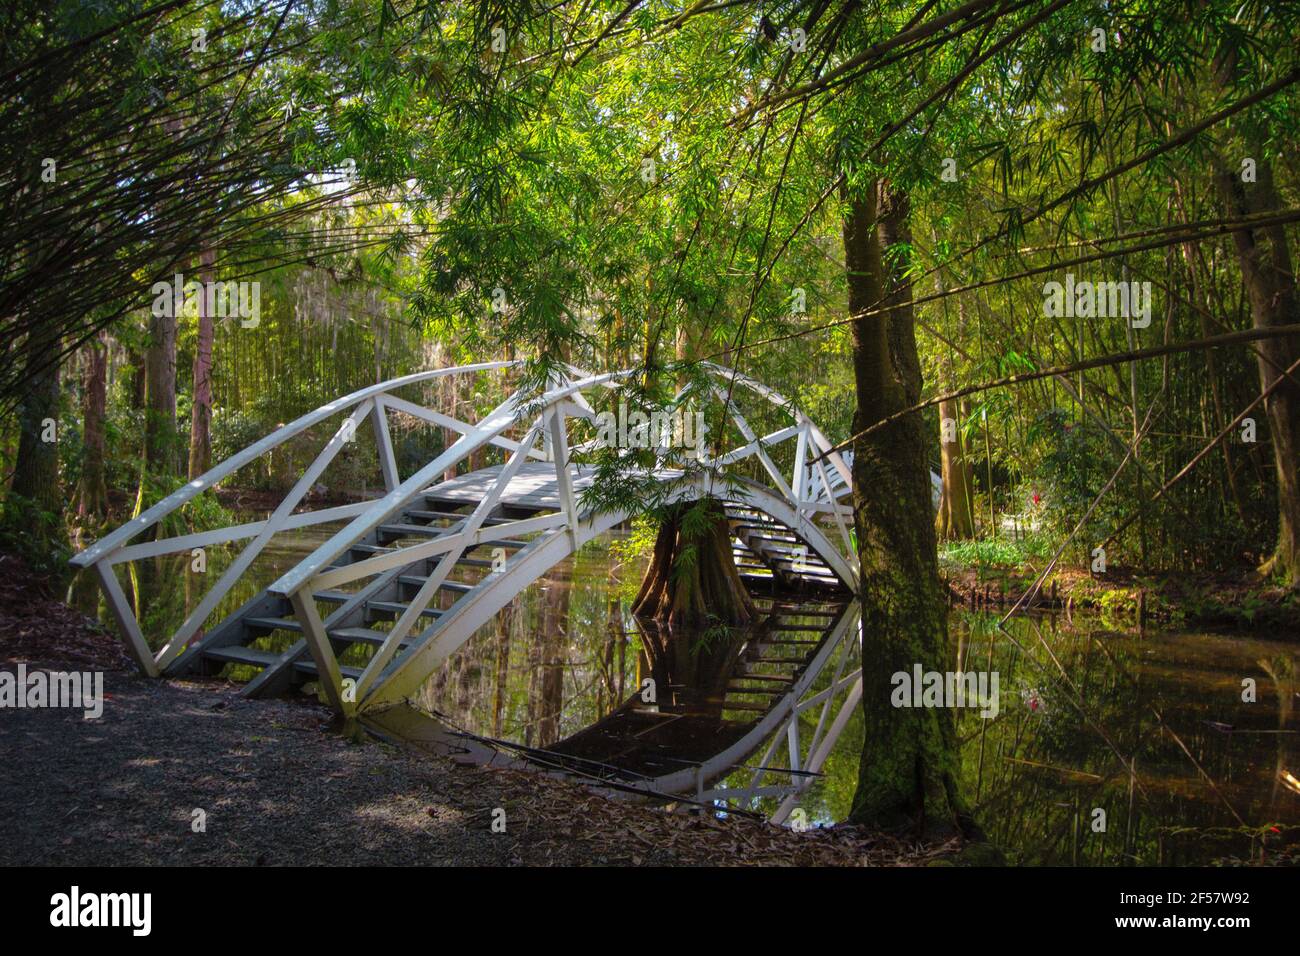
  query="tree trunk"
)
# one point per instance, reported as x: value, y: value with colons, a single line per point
x: 201, y: 417
x: 502, y: 675
x: 1267, y: 271
x: 92, y: 494
x: 692, y: 580
x: 160, y: 396
x: 692, y: 672
x: 1264, y: 257
x: 908, y: 775
x: 554, y: 639
x: 956, y: 518
x: 36, y: 469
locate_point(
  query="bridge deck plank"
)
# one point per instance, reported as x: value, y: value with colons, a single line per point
x: 534, y: 487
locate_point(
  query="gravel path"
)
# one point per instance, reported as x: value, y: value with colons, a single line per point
x: 277, y: 787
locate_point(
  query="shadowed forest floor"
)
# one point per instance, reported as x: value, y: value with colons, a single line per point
x: 279, y: 787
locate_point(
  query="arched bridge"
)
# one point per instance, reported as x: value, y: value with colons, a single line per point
x: 413, y: 574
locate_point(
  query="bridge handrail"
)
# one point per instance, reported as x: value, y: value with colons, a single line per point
x: 116, y: 539
x: 501, y: 418
x: 548, y: 413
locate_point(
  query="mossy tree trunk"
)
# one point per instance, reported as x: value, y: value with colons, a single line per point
x: 908, y: 775
x: 692, y: 580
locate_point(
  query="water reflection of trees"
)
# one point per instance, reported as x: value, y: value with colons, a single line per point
x: 1107, y: 736
x: 558, y: 658
x: 562, y: 657
x: 691, y: 669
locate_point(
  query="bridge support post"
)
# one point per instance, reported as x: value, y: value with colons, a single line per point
x: 327, y: 665
x: 135, y: 642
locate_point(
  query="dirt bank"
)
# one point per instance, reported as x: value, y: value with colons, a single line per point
x: 1205, y: 600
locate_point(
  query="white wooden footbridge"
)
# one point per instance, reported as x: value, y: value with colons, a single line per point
x: 414, y: 574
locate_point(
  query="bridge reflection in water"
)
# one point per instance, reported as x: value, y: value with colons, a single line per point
x: 563, y: 655
x: 702, y: 693
x: 566, y: 680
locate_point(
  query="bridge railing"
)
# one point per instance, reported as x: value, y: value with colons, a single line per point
x: 805, y: 491
x: 817, y: 480
x: 372, y: 402
x: 546, y: 439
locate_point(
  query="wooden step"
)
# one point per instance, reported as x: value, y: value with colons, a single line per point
x: 810, y: 569
x: 768, y: 533
x: 810, y: 558
x: 811, y: 566
x: 512, y: 544
x: 778, y: 678
x: 396, y: 608
x: 416, y: 581
x: 363, y: 635
x: 238, y: 654
x: 772, y: 543
x: 333, y: 597
x: 450, y: 516
x: 273, y: 623
x: 308, y: 666
x: 412, y: 530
